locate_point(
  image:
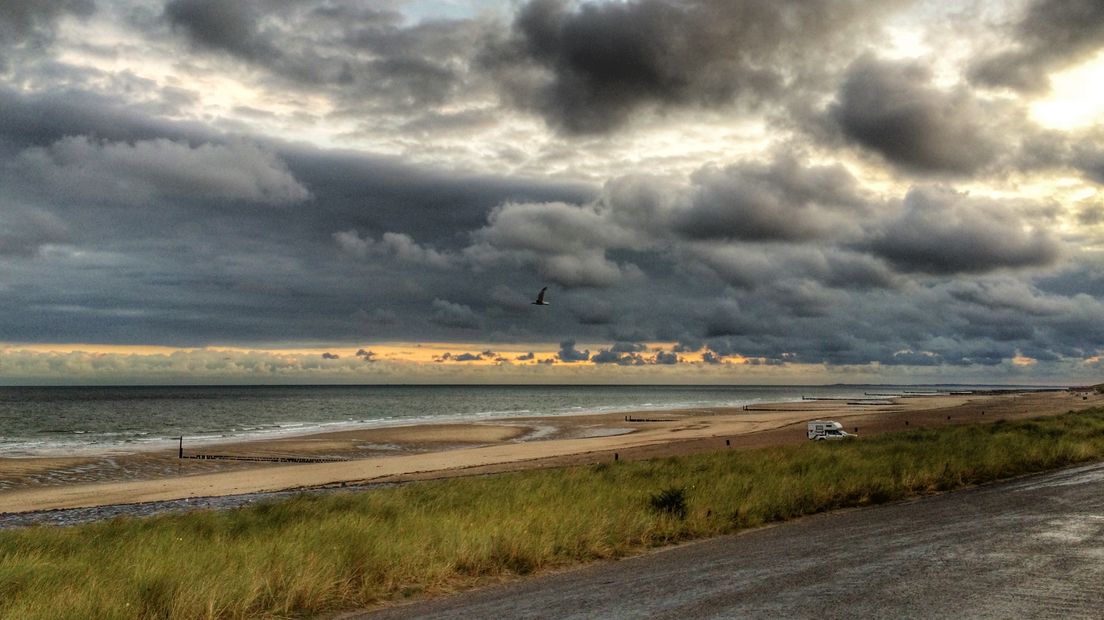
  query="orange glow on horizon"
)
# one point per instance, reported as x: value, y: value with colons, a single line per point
x: 400, y: 352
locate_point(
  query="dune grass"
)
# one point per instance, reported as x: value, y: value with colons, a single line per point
x: 315, y: 554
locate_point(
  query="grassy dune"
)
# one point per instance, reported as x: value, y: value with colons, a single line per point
x: 316, y: 554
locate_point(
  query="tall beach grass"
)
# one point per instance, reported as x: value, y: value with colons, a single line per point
x: 315, y: 554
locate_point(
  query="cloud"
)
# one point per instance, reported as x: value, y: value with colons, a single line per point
x: 550, y: 228
x: 330, y: 356
x: 1050, y: 35
x: 628, y: 347
x: 30, y: 24
x: 568, y: 352
x: 366, y: 58
x: 132, y: 199
x: 890, y: 108
x: 84, y: 169
x: 726, y: 319
x: 944, y: 232
x: 1091, y: 214
x: 400, y: 246
x: 567, y: 242
x: 753, y: 267
x: 665, y: 358
x: 571, y: 244
x: 588, y: 67
x: 525, y: 357
x: 590, y: 310
x: 780, y: 201
x: 378, y: 316
x: 228, y: 26
x: 1011, y: 296
x: 607, y: 356
x: 47, y: 115
x: 24, y: 230
x: 186, y: 269
x: 691, y: 346
x: 1090, y: 161
x: 451, y: 314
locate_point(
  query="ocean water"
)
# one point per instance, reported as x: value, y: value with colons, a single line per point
x: 39, y: 421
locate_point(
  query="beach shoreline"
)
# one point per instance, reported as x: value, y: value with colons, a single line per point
x: 401, y: 453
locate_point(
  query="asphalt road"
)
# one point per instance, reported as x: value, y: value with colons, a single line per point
x: 1030, y: 548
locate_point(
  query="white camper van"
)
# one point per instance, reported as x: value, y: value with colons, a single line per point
x: 827, y: 429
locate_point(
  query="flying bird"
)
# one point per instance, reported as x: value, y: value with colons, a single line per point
x: 540, y: 298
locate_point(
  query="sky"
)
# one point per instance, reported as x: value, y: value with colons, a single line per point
x: 713, y: 191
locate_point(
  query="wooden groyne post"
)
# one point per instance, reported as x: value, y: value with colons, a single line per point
x: 257, y: 459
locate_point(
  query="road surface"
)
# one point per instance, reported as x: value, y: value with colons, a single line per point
x: 1033, y: 547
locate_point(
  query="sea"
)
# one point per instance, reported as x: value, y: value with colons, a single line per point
x: 51, y: 421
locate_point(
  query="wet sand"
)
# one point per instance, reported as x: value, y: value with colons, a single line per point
x: 440, y: 450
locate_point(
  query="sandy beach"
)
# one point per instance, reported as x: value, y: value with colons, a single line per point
x: 441, y: 450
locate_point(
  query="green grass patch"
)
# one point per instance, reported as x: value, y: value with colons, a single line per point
x: 315, y: 554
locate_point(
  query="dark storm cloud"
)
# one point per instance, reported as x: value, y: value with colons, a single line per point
x: 451, y: 314
x: 628, y: 347
x: 727, y: 319
x: 366, y: 57
x: 566, y: 242
x: 30, y: 23
x: 1052, y: 34
x: 909, y: 357
x: 1090, y: 161
x: 600, y: 243
x: 376, y: 195
x: 185, y: 274
x: 890, y: 107
x: 712, y: 358
x: 568, y: 352
x: 1091, y: 214
x: 23, y: 231
x: 593, y: 311
x: 1008, y: 295
x: 720, y: 347
x: 1036, y: 317
x: 665, y: 358
x: 121, y: 226
x: 983, y: 323
x: 846, y: 270
x: 752, y: 267
x: 944, y: 232
x: 139, y: 207
x: 83, y: 170
x: 692, y: 346
x: 780, y: 201
x: 44, y: 117
x: 606, y: 356
x: 227, y: 26
x: 398, y: 245
x: 587, y: 67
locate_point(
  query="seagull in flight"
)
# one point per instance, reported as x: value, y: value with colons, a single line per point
x: 540, y: 298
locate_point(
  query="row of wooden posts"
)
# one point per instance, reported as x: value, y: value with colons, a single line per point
x: 257, y: 459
